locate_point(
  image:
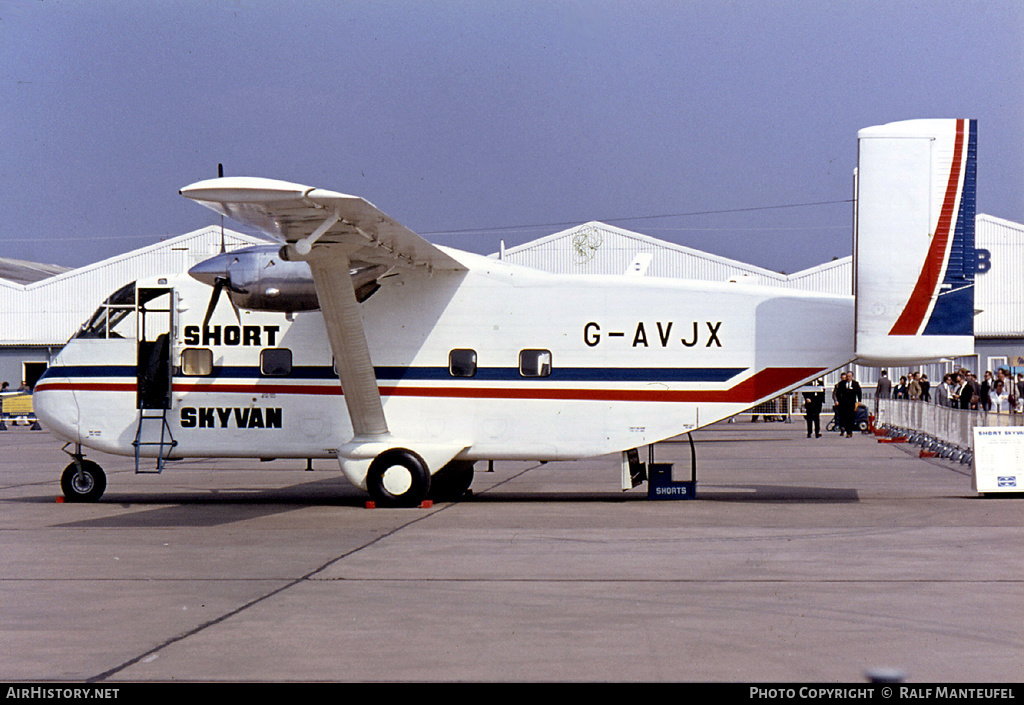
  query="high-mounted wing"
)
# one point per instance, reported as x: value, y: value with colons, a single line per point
x: 305, y: 216
x: 331, y: 231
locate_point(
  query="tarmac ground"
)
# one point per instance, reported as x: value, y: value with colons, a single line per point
x: 800, y: 560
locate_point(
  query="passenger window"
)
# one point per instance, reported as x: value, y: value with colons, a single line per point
x: 196, y: 362
x: 535, y: 363
x: 462, y: 363
x: 276, y: 362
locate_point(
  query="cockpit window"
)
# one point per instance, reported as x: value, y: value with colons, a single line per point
x: 115, y: 318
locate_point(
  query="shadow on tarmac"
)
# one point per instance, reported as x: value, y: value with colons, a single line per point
x: 220, y: 507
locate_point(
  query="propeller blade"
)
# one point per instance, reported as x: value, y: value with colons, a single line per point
x: 238, y: 316
x: 218, y: 286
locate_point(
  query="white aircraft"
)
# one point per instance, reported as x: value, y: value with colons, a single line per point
x: 409, y: 362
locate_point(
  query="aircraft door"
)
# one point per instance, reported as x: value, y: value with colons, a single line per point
x: 155, y: 321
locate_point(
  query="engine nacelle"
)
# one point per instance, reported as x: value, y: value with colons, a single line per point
x: 257, y: 278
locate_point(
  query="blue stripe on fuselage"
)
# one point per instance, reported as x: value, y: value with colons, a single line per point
x: 417, y: 374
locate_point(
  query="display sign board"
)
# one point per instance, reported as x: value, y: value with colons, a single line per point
x: 999, y: 459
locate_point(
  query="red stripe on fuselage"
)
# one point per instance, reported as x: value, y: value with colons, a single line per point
x: 909, y: 322
x: 86, y: 386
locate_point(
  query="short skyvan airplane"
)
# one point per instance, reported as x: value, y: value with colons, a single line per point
x: 358, y: 340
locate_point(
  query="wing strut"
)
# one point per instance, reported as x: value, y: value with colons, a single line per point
x: 305, y: 245
x: 348, y: 343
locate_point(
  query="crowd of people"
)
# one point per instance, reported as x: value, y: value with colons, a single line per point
x: 996, y: 392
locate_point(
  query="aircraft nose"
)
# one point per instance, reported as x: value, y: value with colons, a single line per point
x: 208, y: 271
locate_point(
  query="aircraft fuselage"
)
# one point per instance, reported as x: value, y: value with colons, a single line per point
x: 505, y: 361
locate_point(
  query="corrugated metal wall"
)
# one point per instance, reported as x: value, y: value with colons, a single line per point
x: 835, y: 277
x: 48, y: 312
x: 999, y: 281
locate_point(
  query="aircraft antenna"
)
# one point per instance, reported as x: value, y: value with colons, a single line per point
x: 220, y: 175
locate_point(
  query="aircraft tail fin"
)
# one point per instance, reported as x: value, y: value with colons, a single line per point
x: 914, y: 257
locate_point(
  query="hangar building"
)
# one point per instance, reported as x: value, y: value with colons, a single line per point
x: 999, y: 325
x: 42, y: 306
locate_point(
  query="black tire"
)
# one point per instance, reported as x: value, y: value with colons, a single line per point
x: 398, y: 478
x: 452, y: 481
x: 863, y: 426
x: 85, y: 486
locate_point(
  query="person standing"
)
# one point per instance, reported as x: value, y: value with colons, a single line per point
x: 884, y: 388
x: 942, y: 391
x: 999, y: 398
x: 914, y: 388
x: 964, y: 392
x: 813, y: 401
x: 901, y: 389
x: 987, y: 384
x: 847, y: 395
x: 954, y: 390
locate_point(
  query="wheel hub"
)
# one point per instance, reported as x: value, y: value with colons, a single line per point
x: 83, y: 482
x: 397, y: 480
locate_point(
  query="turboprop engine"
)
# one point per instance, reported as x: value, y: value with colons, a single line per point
x: 257, y: 278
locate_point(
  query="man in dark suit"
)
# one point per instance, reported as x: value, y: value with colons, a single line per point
x: 847, y: 396
x: 964, y: 392
x: 813, y: 401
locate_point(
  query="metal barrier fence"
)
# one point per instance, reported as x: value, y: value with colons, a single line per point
x: 948, y: 431
x: 778, y: 409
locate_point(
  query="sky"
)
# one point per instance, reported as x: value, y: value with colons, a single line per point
x: 728, y: 126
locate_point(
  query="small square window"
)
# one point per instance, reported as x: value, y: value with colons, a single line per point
x: 462, y: 363
x: 535, y: 363
x: 276, y: 362
x: 196, y: 362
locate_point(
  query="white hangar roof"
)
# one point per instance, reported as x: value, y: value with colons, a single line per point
x: 22, y: 272
x: 599, y: 248
x: 48, y: 311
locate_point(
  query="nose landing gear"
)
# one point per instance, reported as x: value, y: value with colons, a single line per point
x: 83, y: 480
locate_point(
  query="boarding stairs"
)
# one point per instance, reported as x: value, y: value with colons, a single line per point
x: 149, y: 421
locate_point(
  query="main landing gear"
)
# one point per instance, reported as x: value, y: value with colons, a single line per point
x: 452, y: 481
x: 400, y: 478
x: 83, y: 480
